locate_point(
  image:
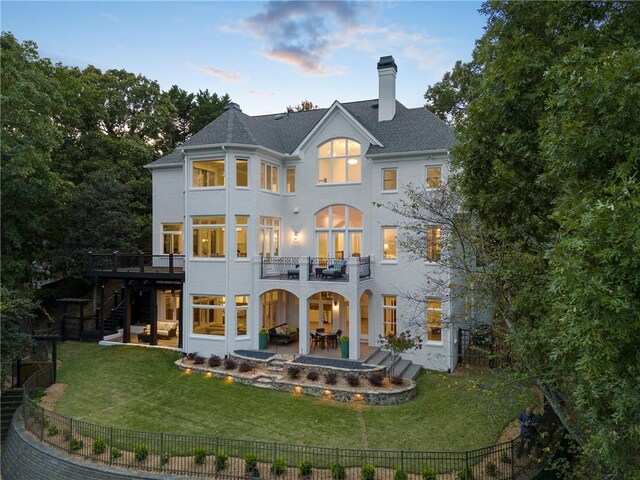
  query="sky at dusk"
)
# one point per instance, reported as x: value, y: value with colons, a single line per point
x: 265, y: 55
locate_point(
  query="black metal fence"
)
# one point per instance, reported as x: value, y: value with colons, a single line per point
x: 483, y: 347
x: 280, y: 268
x: 365, y: 267
x: 222, y: 457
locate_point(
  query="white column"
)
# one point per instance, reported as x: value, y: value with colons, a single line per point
x: 303, y: 322
x: 354, y: 326
x: 255, y: 313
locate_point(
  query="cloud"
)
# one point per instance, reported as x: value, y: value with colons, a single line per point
x: 110, y: 16
x: 255, y: 93
x: 306, y: 35
x: 227, y: 76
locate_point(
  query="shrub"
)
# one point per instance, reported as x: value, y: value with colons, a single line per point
x: 66, y: 435
x: 75, y: 444
x: 245, y: 366
x: 465, y: 474
x: 164, y: 459
x: 279, y: 466
x: 214, y: 361
x: 116, y: 452
x: 429, y: 473
x: 141, y: 452
x: 52, y: 430
x: 191, y: 355
x: 491, y: 469
x: 294, y: 372
x: 198, y: 360
x: 505, y: 457
x: 331, y: 378
x: 230, y: 363
x: 250, y: 462
x: 312, y: 375
x: 368, y: 472
x: 376, y: 379
x: 400, y: 474
x: 99, y: 446
x: 199, y: 455
x: 338, y: 471
x: 352, y: 379
x: 396, y: 380
x: 305, y: 468
x: 221, y: 460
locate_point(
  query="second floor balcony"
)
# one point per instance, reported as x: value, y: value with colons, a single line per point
x: 135, y: 265
x: 351, y: 269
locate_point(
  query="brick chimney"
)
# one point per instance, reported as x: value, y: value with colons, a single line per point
x: 387, y: 70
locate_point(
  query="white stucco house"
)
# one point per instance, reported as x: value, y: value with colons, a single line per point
x: 271, y: 220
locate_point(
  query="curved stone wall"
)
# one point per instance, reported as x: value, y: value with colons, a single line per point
x: 25, y: 458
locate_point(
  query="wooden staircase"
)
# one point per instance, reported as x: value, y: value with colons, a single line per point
x: 402, y: 368
x: 112, y: 322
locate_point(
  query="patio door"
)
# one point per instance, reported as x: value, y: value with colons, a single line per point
x: 170, y: 306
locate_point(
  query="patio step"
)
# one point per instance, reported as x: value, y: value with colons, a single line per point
x: 275, y: 366
x: 412, y: 371
x: 403, y: 368
x: 400, y: 366
x: 378, y: 358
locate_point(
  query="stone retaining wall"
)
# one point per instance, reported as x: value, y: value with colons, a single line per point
x: 25, y: 458
x: 364, y: 394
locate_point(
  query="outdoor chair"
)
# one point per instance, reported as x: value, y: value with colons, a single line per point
x: 332, y: 341
x: 337, y: 270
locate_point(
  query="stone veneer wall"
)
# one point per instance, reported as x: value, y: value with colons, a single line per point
x: 365, y: 394
x: 25, y: 458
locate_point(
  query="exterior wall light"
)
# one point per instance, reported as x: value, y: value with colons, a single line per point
x: 296, y: 236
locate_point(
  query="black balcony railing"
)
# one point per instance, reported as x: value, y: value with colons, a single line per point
x: 326, y: 268
x: 280, y: 268
x: 364, y: 269
x: 135, y: 263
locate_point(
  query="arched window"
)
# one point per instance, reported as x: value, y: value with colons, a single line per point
x: 339, y: 161
x: 339, y: 232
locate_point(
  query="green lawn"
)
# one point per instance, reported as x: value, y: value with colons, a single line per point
x: 140, y: 388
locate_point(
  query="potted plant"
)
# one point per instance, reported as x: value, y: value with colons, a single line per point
x: 344, y: 346
x: 263, y: 338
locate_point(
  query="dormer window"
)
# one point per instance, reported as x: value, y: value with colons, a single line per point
x: 339, y: 161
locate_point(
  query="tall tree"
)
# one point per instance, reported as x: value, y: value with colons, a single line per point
x: 208, y: 107
x: 32, y: 191
x: 184, y: 104
x: 547, y: 162
x: 303, y: 106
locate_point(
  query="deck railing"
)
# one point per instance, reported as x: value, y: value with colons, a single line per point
x: 318, y: 264
x: 204, y: 456
x: 135, y: 262
x: 279, y: 267
x: 365, y: 267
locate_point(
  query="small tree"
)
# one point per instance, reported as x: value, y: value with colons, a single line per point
x: 399, y: 344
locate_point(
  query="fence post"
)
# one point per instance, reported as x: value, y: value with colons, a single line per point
x: 70, y: 433
x: 161, y: 450
x: 402, y: 460
x: 41, y: 423
x: 215, y: 458
x: 466, y: 466
x: 513, y: 460
x: 337, y: 461
x: 110, y: 445
x: 275, y: 455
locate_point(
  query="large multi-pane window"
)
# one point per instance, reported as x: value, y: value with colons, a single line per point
x: 434, y: 177
x: 291, y: 180
x: 242, y: 225
x: 208, y: 314
x: 208, y: 173
x: 172, y: 238
x: 242, y: 307
x: 242, y: 172
x: 434, y: 243
x: 389, y: 179
x: 339, y: 161
x: 389, y: 308
x: 269, y: 177
x: 389, y: 249
x: 269, y: 236
x: 434, y: 320
x: 269, y: 302
x: 208, y: 237
x: 339, y: 232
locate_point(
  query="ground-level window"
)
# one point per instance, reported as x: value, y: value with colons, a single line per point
x: 208, y: 173
x: 434, y: 243
x: 208, y: 237
x: 434, y: 177
x: 389, y: 308
x: 208, y: 314
x: 389, y: 243
x: 242, y: 307
x: 389, y: 179
x: 291, y: 180
x: 242, y: 225
x: 434, y: 320
x: 268, y: 177
x: 269, y: 236
x: 172, y: 238
x: 242, y: 172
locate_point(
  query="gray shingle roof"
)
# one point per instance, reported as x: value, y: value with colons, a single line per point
x: 411, y: 130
